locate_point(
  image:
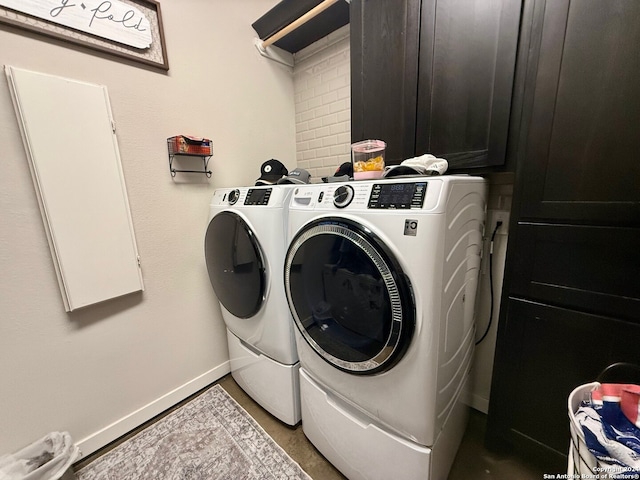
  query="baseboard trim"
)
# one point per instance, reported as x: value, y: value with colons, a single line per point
x: 479, y: 403
x: 108, y: 434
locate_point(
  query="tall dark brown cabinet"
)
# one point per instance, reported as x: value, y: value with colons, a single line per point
x: 434, y: 76
x: 571, y: 295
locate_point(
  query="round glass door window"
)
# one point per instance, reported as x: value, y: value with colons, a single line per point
x: 348, y: 296
x: 235, y: 264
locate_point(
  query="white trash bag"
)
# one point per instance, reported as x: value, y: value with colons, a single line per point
x: 47, y: 459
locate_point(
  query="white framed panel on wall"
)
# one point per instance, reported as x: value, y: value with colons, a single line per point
x: 69, y: 136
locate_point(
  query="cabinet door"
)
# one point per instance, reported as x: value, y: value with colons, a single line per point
x: 549, y: 352
x: 80, y: 185
x: 580, y: 159
x: 466, y: 72
x: 384, y: 73
x: 588, y: 268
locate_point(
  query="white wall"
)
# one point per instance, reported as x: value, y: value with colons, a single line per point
x: 322, y: 82
x: 102, y: 370
x: 499, y: 199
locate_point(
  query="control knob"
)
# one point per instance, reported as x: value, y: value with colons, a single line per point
x: 343, y: 196
x: 233, y: 197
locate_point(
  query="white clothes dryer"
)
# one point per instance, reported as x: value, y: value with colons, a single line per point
x: 244, y: 251
x: 381, y: 279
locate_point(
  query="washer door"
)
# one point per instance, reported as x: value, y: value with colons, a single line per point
x: 348, y: 296
x: 235, y: 264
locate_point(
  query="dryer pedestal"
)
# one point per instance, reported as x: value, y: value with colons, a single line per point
x: 273, y: 385
x: 364, y: 450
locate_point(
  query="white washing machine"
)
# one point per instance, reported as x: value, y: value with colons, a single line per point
x: 381, y: 279
x: 244, y: 250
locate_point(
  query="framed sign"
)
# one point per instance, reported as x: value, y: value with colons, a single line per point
x: 130, y: 29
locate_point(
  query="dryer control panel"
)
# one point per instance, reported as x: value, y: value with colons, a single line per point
x: 258, y: 196
x: 397, y: 195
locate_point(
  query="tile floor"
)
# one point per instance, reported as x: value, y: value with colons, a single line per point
x: 473, y: 461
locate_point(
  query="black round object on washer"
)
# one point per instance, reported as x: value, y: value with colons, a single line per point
x: 348, y: 295
x: 343, y: 196
x: 235, y: 264
x: 233, y: 197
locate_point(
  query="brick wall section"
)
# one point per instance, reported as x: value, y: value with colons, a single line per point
x: 322, y: 86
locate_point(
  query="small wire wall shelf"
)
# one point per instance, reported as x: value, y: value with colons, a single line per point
x: 188, y: 147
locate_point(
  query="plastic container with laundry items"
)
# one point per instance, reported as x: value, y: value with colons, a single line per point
x: 50, y: 458
x: 608, y: 411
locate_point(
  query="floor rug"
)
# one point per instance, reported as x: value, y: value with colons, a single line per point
x: 211, y: 437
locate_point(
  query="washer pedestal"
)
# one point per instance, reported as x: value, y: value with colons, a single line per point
x: 364, y: 450
x: 272, y: 384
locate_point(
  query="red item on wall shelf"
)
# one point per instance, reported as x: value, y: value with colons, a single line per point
x: 187, y: 145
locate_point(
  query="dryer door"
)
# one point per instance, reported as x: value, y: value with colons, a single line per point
x: 348, y: 295
x: 235, y: 264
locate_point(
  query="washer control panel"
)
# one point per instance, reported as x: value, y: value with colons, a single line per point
x: 378, y: 196
x: 397, y: 195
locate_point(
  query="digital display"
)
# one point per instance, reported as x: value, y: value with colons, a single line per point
x: 258, y: 196
x: 397, y: 195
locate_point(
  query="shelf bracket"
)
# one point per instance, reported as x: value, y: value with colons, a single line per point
x: 205, y: 165
x: 274, y: 53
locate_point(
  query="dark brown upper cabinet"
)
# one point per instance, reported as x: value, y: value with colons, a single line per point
x: 580, y: 159
x: 434, y: 76
x: 384, y: 74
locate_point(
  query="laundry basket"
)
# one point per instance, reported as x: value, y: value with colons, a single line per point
x: 581, y: 461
